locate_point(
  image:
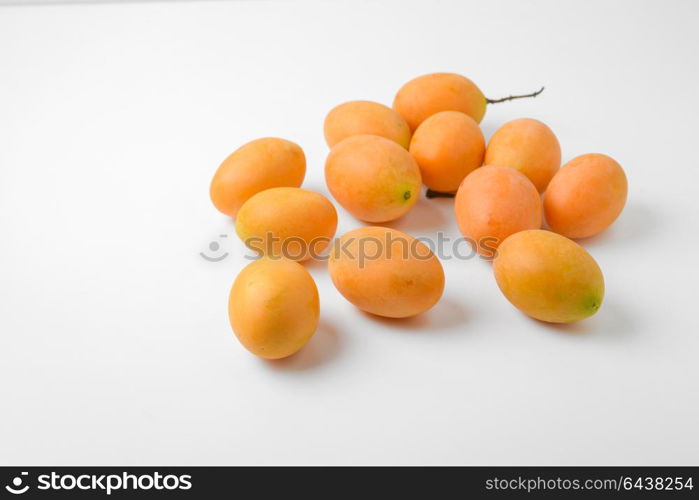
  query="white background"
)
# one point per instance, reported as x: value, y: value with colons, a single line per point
x: 115, y: 346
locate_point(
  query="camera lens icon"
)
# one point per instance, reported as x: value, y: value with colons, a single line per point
x: 16, y: 488
x: 215, y: 246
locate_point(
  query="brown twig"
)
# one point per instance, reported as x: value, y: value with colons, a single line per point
x: 512, y: 97
x: 438, y: 194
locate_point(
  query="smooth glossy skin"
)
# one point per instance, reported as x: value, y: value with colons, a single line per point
x: 549, y: 277
x: 365, y: 117
x: 426, y: 95
x: 290, y: 222
x: 447, y: 146
x: 494, y: 202
x: 258, y: 165
x: 529, y: 146
x: 274, y: 307
x: 386, y: 272
x: 373, y: 178
x: 586, y: 196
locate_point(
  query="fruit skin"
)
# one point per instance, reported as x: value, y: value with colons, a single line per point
x: 529, y: 146
x: 549, y: 277
x: 258, y: 165
x: 494, y: 202
x: 273, y: 307
x: 396, y: 283
x: 365, y: 117
x: 291, y: 222
x: 586, y: 196
x: 447, y: 147
x: 374, y: 178
x: 428, y: 94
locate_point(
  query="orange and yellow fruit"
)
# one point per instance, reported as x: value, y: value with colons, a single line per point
x: 386, y: 272
x: 548, y: 276
x: 447, y: 146
x: 365, y: 117
x: 429, y: 94
x: 273, y: 307
x: 529, y: 146
x: 258, y: 165
x: 373, y: 178
x: 586, y: 196
x: 291, y: 222
x: 494, y: 202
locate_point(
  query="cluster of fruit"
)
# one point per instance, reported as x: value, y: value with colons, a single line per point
x: 380, y: 157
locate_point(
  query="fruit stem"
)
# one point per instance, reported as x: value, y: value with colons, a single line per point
x: 512, y: 97
x: 438, y: 194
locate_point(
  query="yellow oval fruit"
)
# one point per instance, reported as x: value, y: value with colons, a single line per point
x: 494, y: 202
x: 527, y: 145
x: 386, y: 272
x: 258, y: 165
x: 273, y: 307
x: 549, y: 277
x: 294, y: 223
x: 365, y: 117
x: 426, y: 95
x: 586, y: 196
x: 447, y: 146
x: 374, y: 178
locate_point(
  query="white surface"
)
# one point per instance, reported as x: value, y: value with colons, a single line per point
x: 114, y: 339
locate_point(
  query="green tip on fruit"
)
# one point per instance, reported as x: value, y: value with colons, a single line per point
x: 592, y: 305
x: 406, y: 195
